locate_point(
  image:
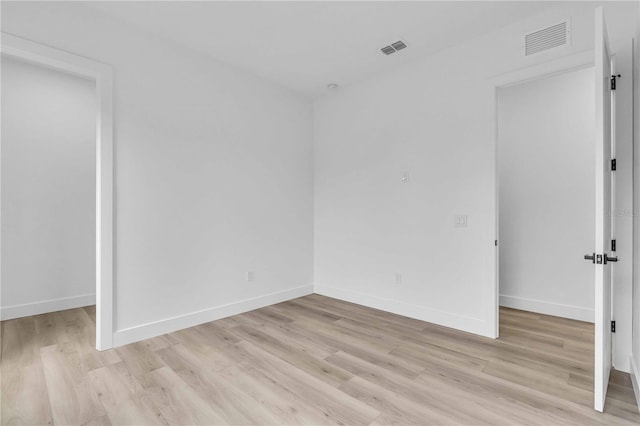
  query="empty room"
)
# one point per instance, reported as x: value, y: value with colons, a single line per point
x: 319, y: 212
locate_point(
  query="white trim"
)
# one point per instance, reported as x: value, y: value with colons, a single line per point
x: 45, y: 306
x: 423, y: 313
x: 157, y: 328
x: 562, y: 65
x: 103, y: 76
x: 541, y: 70
x: 635, y: 376
x: 548, y: 308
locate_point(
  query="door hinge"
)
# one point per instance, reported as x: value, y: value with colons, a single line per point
x: 613, y: 245
x: 613, y: 326
x: 613, y: 81
x: 614, y: 165
x: 496, y: 243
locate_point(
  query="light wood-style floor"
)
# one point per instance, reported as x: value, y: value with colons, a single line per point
x: 313, y: 360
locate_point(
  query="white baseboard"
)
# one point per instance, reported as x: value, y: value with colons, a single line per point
x: 157, y: 328
x: 635, y: 378
x: 46, y: 306
x: 548, y: 308
x: 447, y: 319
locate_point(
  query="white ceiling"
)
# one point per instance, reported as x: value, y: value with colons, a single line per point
x: 306, y: 45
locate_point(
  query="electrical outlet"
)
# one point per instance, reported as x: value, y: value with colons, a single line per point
x: 398, y: 278
x: 460, y: 221
x: 250, y: 276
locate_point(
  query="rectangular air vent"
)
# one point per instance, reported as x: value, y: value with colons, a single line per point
x: 398, y: 45
x: 388, y: 50
x: 394, y: 47
x: 546, y: 38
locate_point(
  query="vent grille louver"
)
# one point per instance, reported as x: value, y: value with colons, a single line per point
x: 388, y: 50
x: 546, y: 38
x: 398, y: 45
x: 394, y: 47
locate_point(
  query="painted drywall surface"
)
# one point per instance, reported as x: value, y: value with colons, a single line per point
x: 546, y: 194
x: 213, y: 169
x: 636, y: 211
x: 435, y: 120
x: 48, y: 185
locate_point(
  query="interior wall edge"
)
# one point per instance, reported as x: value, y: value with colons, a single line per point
x: 578, y: 313
x: 46, y: 306
x: 157, y: 328
x: 635, y: 375
x: 422, y: 313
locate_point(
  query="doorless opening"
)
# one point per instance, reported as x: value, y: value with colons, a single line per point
x: 48, y: 189
x: 101, y: 74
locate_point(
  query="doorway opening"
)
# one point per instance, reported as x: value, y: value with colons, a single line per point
x: 546, y: 194
x: 546, y: 215
x: 45, y: 63
x: 48, y: 189
x: 603, y: 183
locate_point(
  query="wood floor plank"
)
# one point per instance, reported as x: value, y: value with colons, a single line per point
x: 23, y: 392
x: 98, y: 421
x: 202, y: 346
x: 233, y: 404
x: 281, y: 402
x: 404, y: 410
x: 300, y: 359
x: 78, y: 338
x: 139, y: 358
x: 160, y: 342
x: 286, y: 333
x: 180, y: 404
x: 123, y: 404
x: 312, y: 360
x: 73, y: 400
x: 410, y: 390
x: 532, y: 405
x: 25, y: 398
x: 339, y: 407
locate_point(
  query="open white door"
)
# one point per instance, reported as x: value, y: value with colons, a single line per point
x: 602, y: 262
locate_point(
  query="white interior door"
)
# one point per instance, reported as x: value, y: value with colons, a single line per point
x: 602, y: 262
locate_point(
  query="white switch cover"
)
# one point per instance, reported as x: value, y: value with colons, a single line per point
x: 398, y: 278
x: 250, y: 276
x: 405, y: 177
x: 460, y: 221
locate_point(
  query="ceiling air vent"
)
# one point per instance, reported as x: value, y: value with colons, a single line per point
x: 546, y: 38
x: 388, y: 50
x: 398, y: 45
x: 393, y: 47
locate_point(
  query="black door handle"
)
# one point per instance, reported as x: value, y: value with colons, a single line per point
x: 610, y: 259
x: 591, y: 257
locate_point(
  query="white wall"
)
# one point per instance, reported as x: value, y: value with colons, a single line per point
x: 197, y: 142
x: 435, y: 120
x: 546, y: 194
x: 213, y: 171
x: 48, y: 190
x: 635, y: 356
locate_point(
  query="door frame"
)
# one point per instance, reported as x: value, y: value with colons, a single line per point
x: 102, y: 74
x: 562, y: 65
